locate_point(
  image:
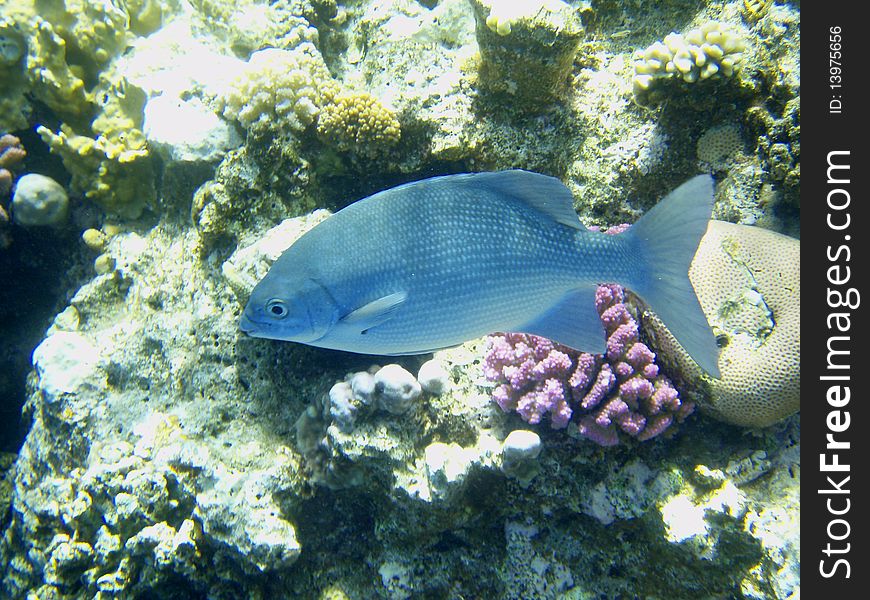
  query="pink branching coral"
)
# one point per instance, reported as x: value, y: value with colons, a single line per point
x: 618, y: 393
x: 11, y: 155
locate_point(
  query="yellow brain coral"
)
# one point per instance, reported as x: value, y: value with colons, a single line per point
x: 357, y: 122
x: 748, y: 282
x: 719, y: 143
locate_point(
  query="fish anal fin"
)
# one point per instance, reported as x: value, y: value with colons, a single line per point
x: 572, y: 321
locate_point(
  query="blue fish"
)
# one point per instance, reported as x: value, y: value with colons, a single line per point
x: 434, y: 263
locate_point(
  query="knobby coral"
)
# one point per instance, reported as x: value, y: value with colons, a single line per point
x: 618, y: 394
x: 280, y: 88
x: 714, y: 49
x: 358, y: 122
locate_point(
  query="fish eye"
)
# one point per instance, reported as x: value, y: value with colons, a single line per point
x: 277, y: 308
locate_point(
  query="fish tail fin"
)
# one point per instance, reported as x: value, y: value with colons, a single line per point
x: 666, y: 238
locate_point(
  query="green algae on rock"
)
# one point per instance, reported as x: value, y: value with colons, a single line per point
x: 527, y: 51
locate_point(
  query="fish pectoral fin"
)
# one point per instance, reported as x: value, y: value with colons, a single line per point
x: 572, y: 321
x: 375, y: 312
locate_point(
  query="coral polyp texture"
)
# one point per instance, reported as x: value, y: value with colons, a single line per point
x: 11, y: 156
x: 280, y: 88
x: 748, y: 282
x: 714, y: 49
x: 64, y: 55
x: 718, y: 144
x: 359, y: 122
x: 618, y: 394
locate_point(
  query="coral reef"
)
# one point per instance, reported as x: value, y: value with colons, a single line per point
x: 753, y: 10
x: 520, y: 451
x: 719, y: 144
x: 186, y: 131
x: 69, y: 51
x: 114, y: 168
x: 375, y: 414
x: 14, y: 109
x: 162, y: 455
x: 429, y: 48
x: 71, y: 43
x: 618, y: 394
x: 748, y: 283
x: 12, y: 154
x: 250, y: 25
x: 779, y: 145
x: 168, y: 455
x: 713, y: 50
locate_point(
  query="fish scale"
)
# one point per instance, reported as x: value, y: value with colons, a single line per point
x: 433, y: 263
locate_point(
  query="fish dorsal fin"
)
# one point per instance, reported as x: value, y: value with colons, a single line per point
x: 542, y: 193
x: 572, y: 321
x: 375, y: 312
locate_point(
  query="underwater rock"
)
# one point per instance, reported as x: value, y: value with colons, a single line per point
x: 363, y: 386
x: 39, y: 200
x: 280, y: 88
x: 12, y: 154
x: 397, y: 389
x: 342, y: 405
x: 626, y: 493
x: 718, y: 144
x: 618, y: 395
x: 433, y: 377
x: 713, y: 50
x: 448, y: 465
x: 64, y: 361
x: 360, y: 124
x: 186, y: 130
x: 12, y: 46
x: 519, y: 455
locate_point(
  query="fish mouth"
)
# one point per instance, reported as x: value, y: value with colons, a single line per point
x: 246, y: 325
